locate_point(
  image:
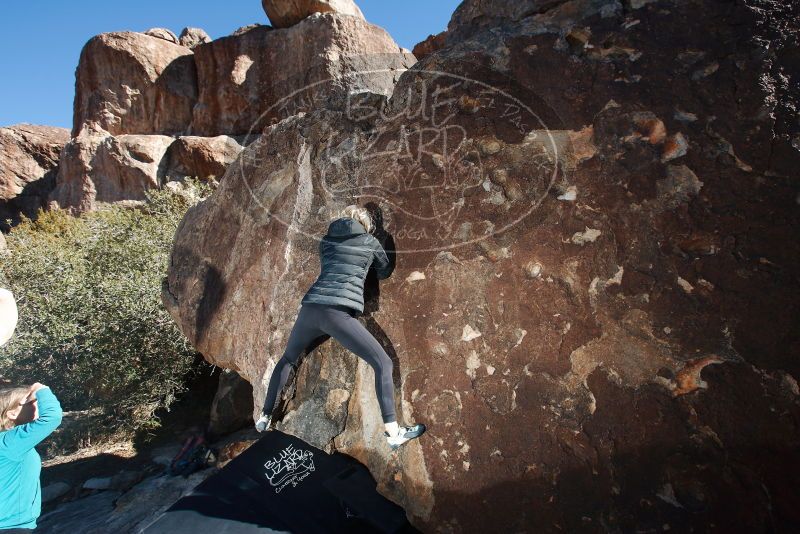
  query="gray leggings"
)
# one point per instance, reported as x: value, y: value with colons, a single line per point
x: 339, y: 322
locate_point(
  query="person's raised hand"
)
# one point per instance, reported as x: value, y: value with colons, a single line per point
x: 32, y: 392
x: 380, y: 234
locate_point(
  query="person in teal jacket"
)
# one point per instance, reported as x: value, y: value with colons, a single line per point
x: 27, y: 416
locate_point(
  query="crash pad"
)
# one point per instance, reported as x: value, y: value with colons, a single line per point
x: 283, y: 484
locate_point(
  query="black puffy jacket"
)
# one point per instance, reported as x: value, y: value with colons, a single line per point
x: 346, y: 253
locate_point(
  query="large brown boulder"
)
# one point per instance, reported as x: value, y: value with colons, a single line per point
x: 125, y: 166
x: 98, y: 167
x: 430, y: 45
x: 202, y: 157
x: 74, y: 187
x: 191, y: 37
x: 133, y: 83
x: 595, y: 305
x: 285, y: 13
x: 28, y: 167
x: 262, y: 75
x: 163, y: 33
x: 144, y: 85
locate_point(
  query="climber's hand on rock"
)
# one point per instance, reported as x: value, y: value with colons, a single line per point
x: 380, y: 234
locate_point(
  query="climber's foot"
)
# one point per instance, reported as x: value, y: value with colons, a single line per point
x: 405, y: 434
x: 263, y: 423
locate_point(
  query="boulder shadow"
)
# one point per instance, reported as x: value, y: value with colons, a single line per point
x: 186, y: 267
x: 372, y: 289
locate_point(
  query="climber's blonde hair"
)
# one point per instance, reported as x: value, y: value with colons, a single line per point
x: 10, y: 397
x: 356, y: 213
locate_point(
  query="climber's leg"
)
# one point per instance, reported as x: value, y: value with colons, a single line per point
x: 346, y: 329
x: 305, y: 330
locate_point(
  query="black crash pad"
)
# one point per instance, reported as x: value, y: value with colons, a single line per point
x: 283, y: 484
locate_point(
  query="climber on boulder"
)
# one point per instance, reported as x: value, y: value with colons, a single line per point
x: 330, y: 306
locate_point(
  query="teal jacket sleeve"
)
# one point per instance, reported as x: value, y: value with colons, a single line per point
x: 19, y: 440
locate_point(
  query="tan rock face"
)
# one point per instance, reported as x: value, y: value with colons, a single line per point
x: 263, y: 75
x: 98, y: 167
x: 28, y: 165
x: 132, y: 83
x: 230, y: 409
x: 125, y: 166
x: 285, y: 13
x: 202, y: 157
x: 559, y: 342
x: 74, y: 186
x: 430, y: 45
x: 191, y: 37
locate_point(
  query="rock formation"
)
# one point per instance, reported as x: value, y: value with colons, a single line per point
x: 98, y: 167
x: 191, y: 37
x: 262, y: 75
x: 125, y: 166
x: 429, y: 45
x: 202, y: 157
x: 595, y: 305
x: 472, y: 16
x: 135, y: 83
x: 28, y: 167
x: 283, y: 13
x: 230, y: 410
x: 74, y: 185
x: 163, y: 33
x: 135, y: 92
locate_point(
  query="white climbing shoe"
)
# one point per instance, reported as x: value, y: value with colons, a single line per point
x: 263, y: 423
x: 406, y: 433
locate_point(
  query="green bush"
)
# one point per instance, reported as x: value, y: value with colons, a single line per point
x: 91, y: 320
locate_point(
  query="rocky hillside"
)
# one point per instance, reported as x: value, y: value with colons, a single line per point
x: 594, y: 207
x: 153, y: 107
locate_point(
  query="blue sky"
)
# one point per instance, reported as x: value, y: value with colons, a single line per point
x: 41, y: 40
